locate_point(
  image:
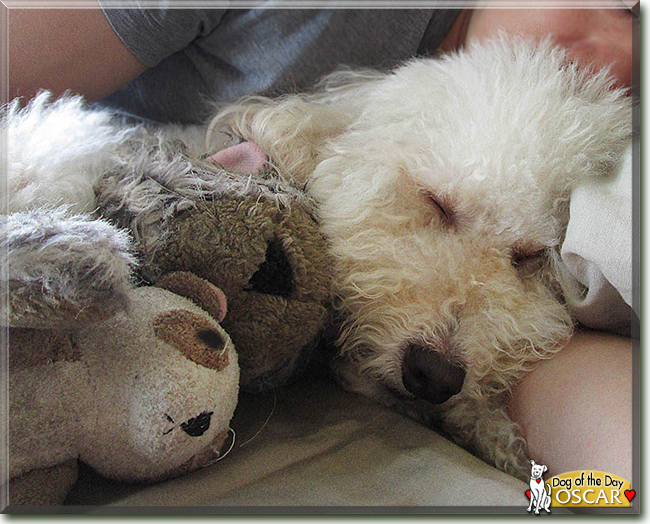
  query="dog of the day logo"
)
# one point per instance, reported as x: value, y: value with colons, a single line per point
x: 577, y: 489
x: 539, y: 492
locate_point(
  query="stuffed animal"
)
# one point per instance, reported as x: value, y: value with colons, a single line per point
x: 254, y: 236
x: 143, y: 395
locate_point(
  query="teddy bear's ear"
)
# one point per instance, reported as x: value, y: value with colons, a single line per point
x: 203, y: 293
x: 245, y: 158
x: 293, y: 130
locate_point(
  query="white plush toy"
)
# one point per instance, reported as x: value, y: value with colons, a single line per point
x: 144, y: 395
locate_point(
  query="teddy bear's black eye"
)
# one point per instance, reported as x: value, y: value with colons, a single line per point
x: 275, y: 274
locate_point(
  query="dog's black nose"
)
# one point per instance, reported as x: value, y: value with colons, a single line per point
x: 430, y: 376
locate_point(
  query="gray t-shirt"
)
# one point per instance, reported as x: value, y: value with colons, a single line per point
x: 219, y: 55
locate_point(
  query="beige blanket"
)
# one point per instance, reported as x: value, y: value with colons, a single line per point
x: 314, y: 445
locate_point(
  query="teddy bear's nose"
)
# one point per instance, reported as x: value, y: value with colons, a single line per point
x: 430, y: 376
x: 195, y: 427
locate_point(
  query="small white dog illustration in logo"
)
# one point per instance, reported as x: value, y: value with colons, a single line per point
x: 539, y: 495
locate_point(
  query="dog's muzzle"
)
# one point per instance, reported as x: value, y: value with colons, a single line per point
x: 430, y: 376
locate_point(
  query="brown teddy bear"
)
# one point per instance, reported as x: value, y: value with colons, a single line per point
x: 254, y: 236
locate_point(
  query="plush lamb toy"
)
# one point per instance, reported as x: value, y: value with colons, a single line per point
x: 144, y: 395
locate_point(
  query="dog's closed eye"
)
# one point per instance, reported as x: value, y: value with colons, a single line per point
x: 440, y: 206
x: 529, y: 259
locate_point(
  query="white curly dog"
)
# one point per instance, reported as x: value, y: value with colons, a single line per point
x: 443, y: 187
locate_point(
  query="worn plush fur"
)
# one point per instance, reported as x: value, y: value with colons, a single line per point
x: 64, y: 162
x: 443, y: 188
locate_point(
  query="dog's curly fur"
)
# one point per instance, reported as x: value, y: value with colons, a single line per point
x: 443, y: 187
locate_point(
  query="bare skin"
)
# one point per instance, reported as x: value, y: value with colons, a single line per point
x: 592, y: 37
x: 576, y: 409
x: 570, y: 406
x: 66, y: 49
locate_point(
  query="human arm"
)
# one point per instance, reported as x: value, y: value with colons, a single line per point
x: 576, y: 409
x: 61, y: 49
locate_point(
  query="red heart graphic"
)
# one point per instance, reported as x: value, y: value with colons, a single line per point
x: 629, y: 494
x: 528, y: 493
x: 539, y: 480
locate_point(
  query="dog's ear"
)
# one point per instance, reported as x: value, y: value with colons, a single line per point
x: 532, y: 462
x: 545, y: 469
x: 294, y: 130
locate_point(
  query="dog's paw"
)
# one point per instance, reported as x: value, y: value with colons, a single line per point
x: 62, y: 270
x: 486, y: 429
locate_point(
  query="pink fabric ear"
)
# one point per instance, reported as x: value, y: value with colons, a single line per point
x: 245, y: 158
x: 223, y: 303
